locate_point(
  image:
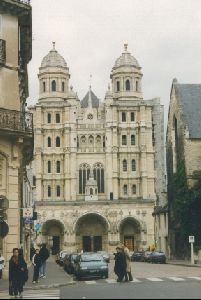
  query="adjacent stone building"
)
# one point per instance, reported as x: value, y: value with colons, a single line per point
x: 98, y: 164
x: 183, y: 145
x: 16, y: 130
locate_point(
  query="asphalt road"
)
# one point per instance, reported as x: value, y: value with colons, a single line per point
x: 144, y: 290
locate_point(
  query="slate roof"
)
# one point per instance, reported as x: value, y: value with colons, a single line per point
x: 189, y: 96
x: 94, y: 98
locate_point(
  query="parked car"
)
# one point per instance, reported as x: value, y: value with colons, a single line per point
x: 137, y: 256
x: 91, y: 265
x: 158, y: 257
x: 60, y: 257
x: 69, y: 263
x: 105, y: 256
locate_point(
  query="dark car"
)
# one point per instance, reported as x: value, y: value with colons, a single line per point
x: 69, y: 263
x: 138, y: 256
x: 158, y: 257
x: 105, y: 256
x: 61, y: 256
x: 91, y: 265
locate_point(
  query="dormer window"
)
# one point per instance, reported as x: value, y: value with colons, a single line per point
x: 128, y: 85
x: 54, y: 86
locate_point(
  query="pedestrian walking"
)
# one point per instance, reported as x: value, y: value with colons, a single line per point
x: 18, y: 274
x: 44, y: 255
x: 2, y: 265
x: 32, y: 252
x: 36, y: 261
x: 120, y: 264
x: 128, y: 275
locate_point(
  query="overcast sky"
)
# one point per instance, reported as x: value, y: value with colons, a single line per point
x: 164, y: 36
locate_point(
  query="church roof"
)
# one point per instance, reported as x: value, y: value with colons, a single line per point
x: 126, y: 59
x: 53, y: 59
x: 189, y: 96
x: 90, y: 100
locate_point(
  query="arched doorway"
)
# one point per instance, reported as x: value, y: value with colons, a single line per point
x: 53, y: 232
x: 130, y: 233
x: 92, y: 233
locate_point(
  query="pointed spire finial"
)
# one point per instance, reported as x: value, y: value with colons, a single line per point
x: 53, y: 43
x: 126, y: 47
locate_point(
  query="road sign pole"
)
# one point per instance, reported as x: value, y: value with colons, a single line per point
x: 192, y: 254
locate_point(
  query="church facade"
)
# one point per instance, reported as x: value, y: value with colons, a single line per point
x: 98, y: 165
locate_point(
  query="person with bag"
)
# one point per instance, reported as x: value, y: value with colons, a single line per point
x: 2, y: 265
x: 18, y: 274
x: 120, y: 264
x: 44, y: 255
x: 36, y: 261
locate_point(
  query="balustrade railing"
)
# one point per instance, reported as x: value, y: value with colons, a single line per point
x: 16, y: 121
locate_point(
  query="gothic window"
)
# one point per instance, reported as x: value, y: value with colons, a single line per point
x: 99, y: 176
x: 58, y: 167
x: 90, y: 117
x: 128, y: 85
x: 58, y: 142
x: 98, y: 140
x: 58, y: 191
x: 83, y: 140
x: 63, y: 87
x: 54, y: 86
x: 49, y: 191
x: 44, y: 87
x: 125, y: 165
x: 49, y: 118
x: 58, y: 119
x: 91, y: 141
x: 132, y: 140
x: 125, y: 189
x: 123, y: 117
x: 49, y: 142
x: 132, y: 117
x: 49, y: 167
x: 118, y: 86
x: 134, y: 189
x: 124, y: 140
x: 133, y: 165
x: 84, y: 173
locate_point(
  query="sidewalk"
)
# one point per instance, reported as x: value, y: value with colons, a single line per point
x: 183, y: 263
x: 56, y: 277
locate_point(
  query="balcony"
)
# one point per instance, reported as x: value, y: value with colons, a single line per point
x: 16, y: 123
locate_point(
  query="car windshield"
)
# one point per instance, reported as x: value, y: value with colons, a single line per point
x: 92, y: 257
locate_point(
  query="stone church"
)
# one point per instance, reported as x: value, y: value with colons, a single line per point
x: 98, y: 165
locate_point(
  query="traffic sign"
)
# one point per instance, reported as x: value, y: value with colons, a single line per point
x: 4, y: 229
x: 27, y: 212
x: 191, y: 239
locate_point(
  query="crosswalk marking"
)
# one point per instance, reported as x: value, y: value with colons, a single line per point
x: 135, y: 280
x: 176, y: 279
x: 195, y: 278
x: 35, y: 294
x: 90, y: 282
x: 155, y: 279
x: 110, y: 281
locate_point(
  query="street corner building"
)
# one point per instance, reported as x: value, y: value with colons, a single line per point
x: 99, y: 165
x: 16, y: 130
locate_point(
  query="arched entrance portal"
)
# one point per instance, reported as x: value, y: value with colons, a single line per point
x: 92, y: 233
x: 53, y: 232
x: 130, y: 233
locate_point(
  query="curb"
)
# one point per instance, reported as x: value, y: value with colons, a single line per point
x: 50, y: 286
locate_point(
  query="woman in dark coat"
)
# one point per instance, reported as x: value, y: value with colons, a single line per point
x: 18, y: 273
x: 120, y: 264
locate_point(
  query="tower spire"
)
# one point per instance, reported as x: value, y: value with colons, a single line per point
x: 54, y: 43
x: 126, y: 47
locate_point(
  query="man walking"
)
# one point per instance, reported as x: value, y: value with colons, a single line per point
x: 2, y: 264
x: 44, y: 255
x: 120, y: 264
x: 36, y: 261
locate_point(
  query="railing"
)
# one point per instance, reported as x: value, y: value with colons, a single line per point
x: 2, y: 52
x: 16, y: 121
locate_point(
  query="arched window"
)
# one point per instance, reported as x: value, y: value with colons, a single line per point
x: 49, y: 191
x: 58, y: 142
x: 98, y: 140
x: 128, y: 85
x: 137, y: 86
x: 49, y: 142
x: 54, y: 86
x: 91, y: 141
x: 58, y: 191
x: 123, y: 117
x: 49, y: 167
x: 125, y: 189
x: 84, y: 173
x: 132, y: 140
x: 133, y: 165
x: 63, y: 86
x: 99, y: 176
x: 118, y: 86
x: 58, y: 169
x: 134, y: 189
x: 44, y: 87
x: 125, y: 165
